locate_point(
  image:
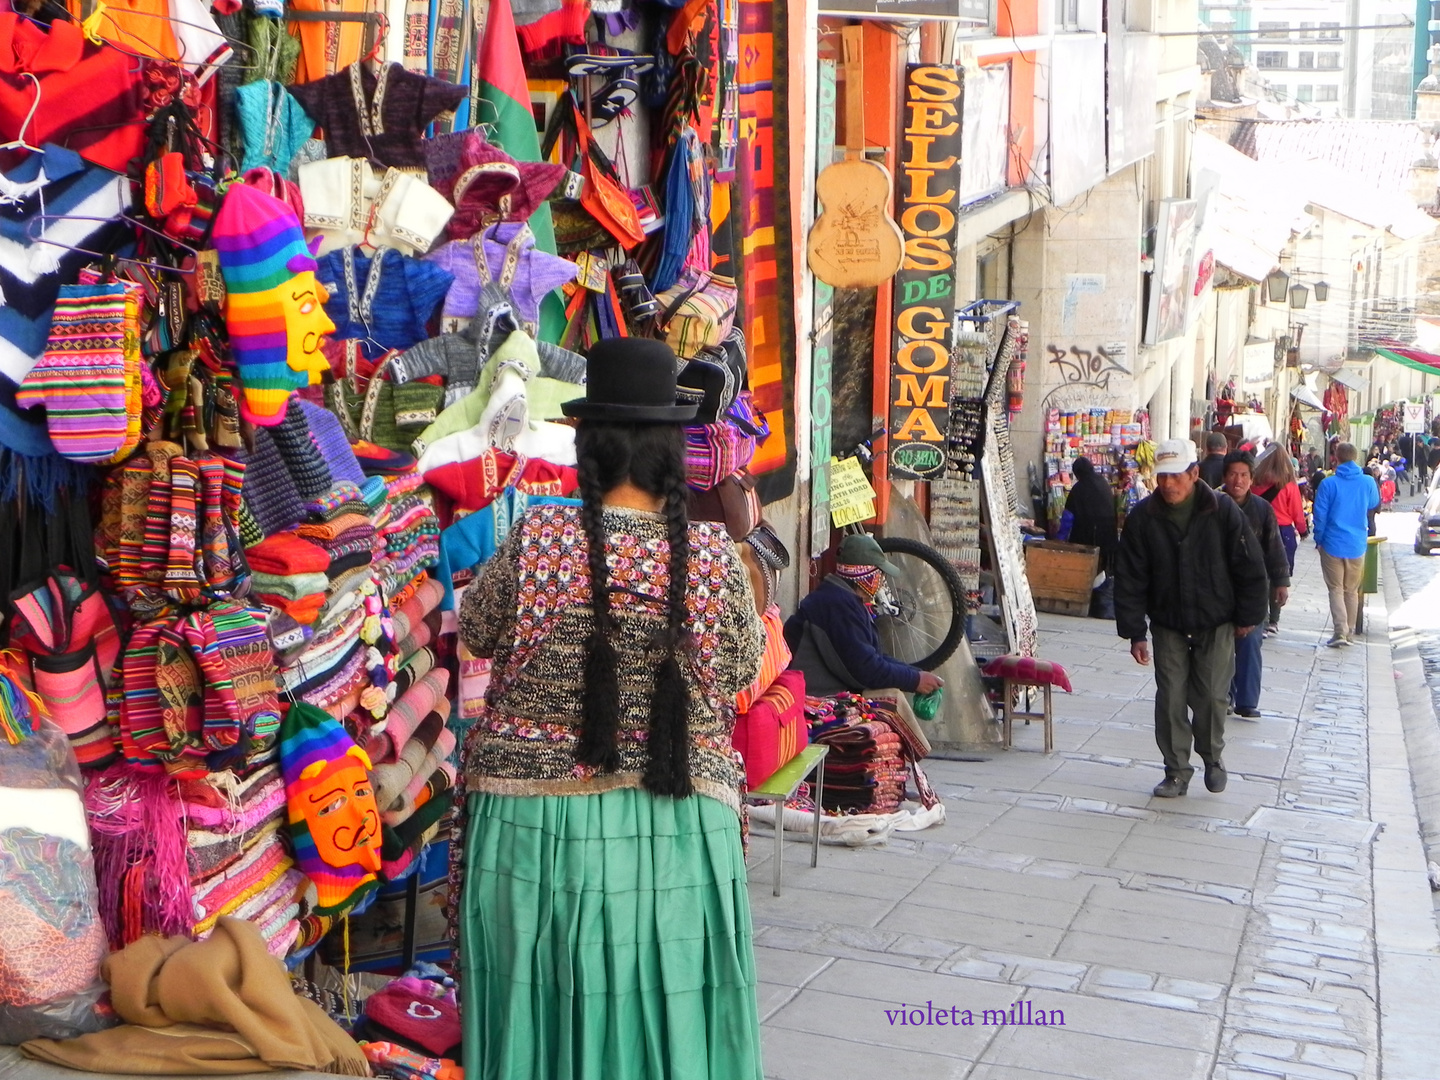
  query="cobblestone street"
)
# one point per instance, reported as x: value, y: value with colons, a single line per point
x: 1283, y: 928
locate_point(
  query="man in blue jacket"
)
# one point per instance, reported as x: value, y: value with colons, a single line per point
x: 832, y: 636
x: 1342, y: 507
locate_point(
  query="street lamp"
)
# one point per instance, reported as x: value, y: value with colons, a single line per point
x: 1276, y: 284
x: 1299, y: 296
x: 1322, y: 291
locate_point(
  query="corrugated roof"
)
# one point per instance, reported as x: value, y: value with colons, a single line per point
x: 1378, y: 152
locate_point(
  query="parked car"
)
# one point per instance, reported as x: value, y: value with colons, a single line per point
x: 1427, y: 536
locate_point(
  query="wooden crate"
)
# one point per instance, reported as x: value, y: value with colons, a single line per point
x: 1062, y: 607
x: 1060, y: 572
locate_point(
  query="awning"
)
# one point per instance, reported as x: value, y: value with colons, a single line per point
x: 1306, y: 396
x: 1412, y: 358
x: 1350, y: 379
x: 1253, y: 211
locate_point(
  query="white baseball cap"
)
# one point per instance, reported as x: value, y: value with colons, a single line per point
x: 1174, y: 456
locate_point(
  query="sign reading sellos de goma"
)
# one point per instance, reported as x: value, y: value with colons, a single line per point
x: 928, y: 202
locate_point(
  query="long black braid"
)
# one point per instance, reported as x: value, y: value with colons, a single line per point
x: 651, y: 456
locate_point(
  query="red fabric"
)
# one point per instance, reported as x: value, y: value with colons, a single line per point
x: 543, y: 37
x: 540, y: 477
x: 474, y: 484
x: 285, y: 553
x: 1289, y: 506
x: 1028, y: 669
x: 82, y: 86
x: 773, y: 730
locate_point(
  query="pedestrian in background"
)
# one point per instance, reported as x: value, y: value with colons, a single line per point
x: 1212, y: 469
x: 1189, y: 574
x: 1239, y: 477
x: 1090, y: 510
x: 1342, y: 508
x: 1276, y: 483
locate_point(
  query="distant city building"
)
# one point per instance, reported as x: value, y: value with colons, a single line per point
x: 1306, y: 54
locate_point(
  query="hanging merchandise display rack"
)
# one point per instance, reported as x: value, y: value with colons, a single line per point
x: 286, y: 330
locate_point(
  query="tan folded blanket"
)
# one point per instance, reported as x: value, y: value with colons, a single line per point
x: 216, y: 1007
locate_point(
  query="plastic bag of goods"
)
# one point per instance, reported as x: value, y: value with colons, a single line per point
x: 51, y: 938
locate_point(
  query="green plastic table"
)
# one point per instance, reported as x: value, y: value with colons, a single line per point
x: 781, y: 786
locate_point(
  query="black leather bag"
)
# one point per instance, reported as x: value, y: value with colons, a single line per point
x: 714, y: 378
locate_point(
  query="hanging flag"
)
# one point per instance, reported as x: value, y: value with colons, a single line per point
x: 504, y: 105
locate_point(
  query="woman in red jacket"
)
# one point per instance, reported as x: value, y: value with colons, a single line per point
x: 1275, y: 482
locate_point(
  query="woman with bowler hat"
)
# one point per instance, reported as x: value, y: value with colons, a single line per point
x: 604, y: 922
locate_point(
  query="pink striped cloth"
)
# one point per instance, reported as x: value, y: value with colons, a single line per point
x: 425, y: 697
x: 256, y: 807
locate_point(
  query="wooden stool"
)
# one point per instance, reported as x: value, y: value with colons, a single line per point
x: 781, y: 786
x: 1011, y: 686
x: 1026, y: 673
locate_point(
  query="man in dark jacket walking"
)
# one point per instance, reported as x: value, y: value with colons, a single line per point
x: 1189, y: 566
x: 1239, y: 475
x: 1212, y: 469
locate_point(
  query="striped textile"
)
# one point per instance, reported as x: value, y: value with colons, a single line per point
x: 216, y: 569
x: 80, y: 378
x: 180, y: 579
x: 155, y: 554
x: 81, y: 202
x: 141, y: 725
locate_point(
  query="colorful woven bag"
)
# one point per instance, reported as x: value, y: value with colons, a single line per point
x: 775, y: 660
x: 70, y: 634
x: 715, y: 451
x: 697, y: 312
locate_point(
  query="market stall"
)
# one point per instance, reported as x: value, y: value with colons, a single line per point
x: 292, y: 297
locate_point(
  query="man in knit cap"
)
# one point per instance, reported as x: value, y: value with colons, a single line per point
x: 274, y: 306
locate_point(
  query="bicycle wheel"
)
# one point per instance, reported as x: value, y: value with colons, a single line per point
x: 930, y: 597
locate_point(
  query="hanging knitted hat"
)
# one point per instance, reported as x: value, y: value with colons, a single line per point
x: 334, y: 820
x: 274, y: 307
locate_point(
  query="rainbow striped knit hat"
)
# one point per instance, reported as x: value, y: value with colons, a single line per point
x: 334, y: 819
x: 261, y: 247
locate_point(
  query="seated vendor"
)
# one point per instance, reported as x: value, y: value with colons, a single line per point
x: 832, y: 636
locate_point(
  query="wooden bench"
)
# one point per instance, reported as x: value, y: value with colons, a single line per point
x: 781, y: 786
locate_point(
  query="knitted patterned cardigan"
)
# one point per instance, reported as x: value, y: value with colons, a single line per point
x: 530, y: 611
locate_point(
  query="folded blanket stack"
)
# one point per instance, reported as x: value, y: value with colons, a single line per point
x: 239, y: 859
x: 868, y: 763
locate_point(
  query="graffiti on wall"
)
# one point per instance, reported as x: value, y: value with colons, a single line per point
x: 1080, y: 376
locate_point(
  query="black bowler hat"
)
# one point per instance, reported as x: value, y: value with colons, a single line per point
x: 630, y: 379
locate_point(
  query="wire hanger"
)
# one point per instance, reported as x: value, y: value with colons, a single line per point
x: 382, y: 28
x: 126, y: 219
x: 19, y: 143
x: 58, y: 10
x: 215, y: 30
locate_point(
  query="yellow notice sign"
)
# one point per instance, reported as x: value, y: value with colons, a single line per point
x: 852, y: 498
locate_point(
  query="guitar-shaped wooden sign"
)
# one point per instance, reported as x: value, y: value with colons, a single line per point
x: 854, y: 242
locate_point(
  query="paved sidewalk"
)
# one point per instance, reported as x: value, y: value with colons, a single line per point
x: 1247, y: 935
x: 1176, y: 939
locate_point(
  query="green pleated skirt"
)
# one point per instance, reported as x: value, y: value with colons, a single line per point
x: 606, y: 937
